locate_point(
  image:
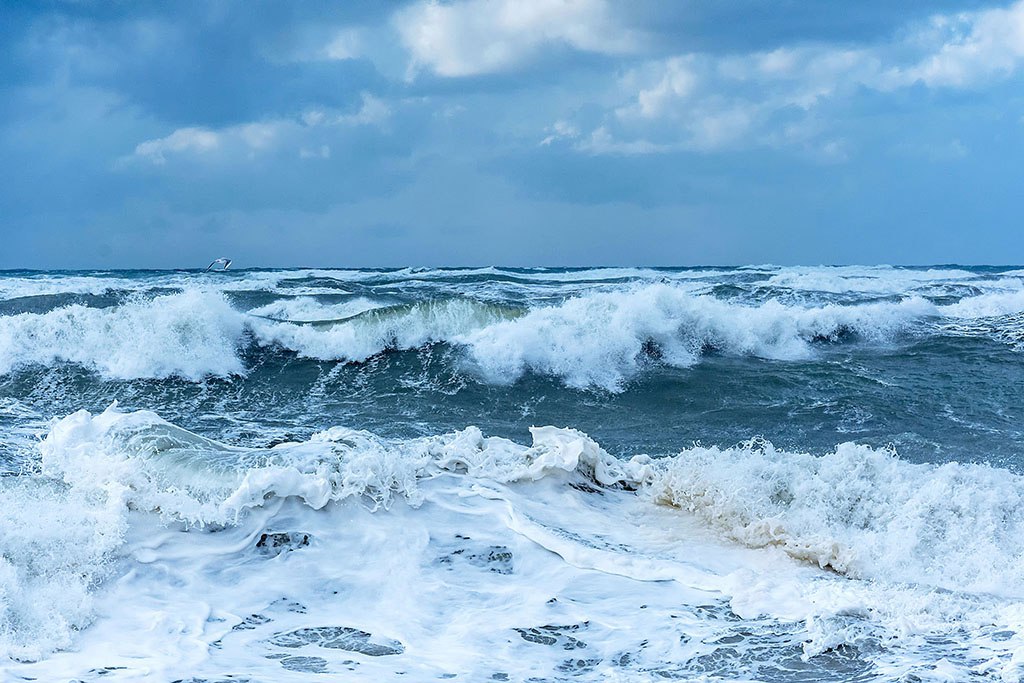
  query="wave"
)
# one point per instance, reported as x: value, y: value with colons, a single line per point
x: 398, y: 327
x: 165, y: 468
x: 860, y: 512
x: 877, y: 279
x: 192, y: 335
x: 306, y: 309
x: 603, y: 339
x: 599, y: 340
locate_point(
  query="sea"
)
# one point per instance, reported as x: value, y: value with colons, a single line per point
x: 763, y: 473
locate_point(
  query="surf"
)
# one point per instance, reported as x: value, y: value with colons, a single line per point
x: 304, y: 555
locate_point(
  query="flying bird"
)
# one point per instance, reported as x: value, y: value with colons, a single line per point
x: 226, y: 262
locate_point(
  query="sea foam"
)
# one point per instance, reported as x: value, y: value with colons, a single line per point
x: 561, y: 518
x: 192, y: 335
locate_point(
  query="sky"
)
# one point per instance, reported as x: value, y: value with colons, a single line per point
x: 510, y: 132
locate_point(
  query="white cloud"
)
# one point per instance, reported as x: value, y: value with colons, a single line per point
x: 374, y: 111
x: 193, y: 142
x: 601, y: 141
x: 324, y: 152
x: 249, y: 139
x: 486, y: 36
x: 676, y: 81
x: 560, y: 130
x: 346, y: 43
x: 196, y: 140
x: 706, y: 102
x: 316, y: 43
x: 983, y: 45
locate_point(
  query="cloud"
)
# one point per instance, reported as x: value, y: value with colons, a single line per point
x: 345, y: 44
x: 706, y: 102
x: 374, y: 111
x: 248, y: 139
x: 980, y: 46
x: 183, y: 140
x: 487, y: 36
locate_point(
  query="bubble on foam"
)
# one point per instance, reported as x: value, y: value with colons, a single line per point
x: 56, y: 546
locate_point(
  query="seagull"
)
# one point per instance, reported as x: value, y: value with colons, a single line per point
x: 226, y: 262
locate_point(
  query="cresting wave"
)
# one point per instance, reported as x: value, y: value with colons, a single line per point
x: 599, y: 339
x: 191, y: 335
x: 858, y: 511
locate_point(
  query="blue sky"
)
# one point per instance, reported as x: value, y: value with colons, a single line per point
x: 510, y: 132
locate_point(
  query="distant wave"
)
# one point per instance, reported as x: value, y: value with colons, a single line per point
x: 599, y: 339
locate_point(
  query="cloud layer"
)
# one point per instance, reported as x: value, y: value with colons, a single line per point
x: 490, y: 131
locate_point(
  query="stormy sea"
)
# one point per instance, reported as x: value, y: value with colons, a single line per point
x: 764, y: 473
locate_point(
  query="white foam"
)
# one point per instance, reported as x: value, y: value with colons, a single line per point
x: 600, y: 339
x: 192, y: 334
x: 862, y: 512
x: 47, y: 285
x: 56, y: 545
x: 986, y: 305
x: 449, y: 544
x: 871, y: 279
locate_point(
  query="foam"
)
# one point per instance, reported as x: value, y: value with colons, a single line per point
x: 677, y: 326
x: 191, y: 335
x: 861, y: 512
x: 56, y: 546
x: 869, y: 279
x: 849, y: 510
x: 526, y: 560
x: 985, y: 305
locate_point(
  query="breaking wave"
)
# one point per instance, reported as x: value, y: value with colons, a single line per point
x: 191, y: 335
x: 598, y: 339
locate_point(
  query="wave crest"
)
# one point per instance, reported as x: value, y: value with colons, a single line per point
x: 193, y: 334
x: 399, y: 327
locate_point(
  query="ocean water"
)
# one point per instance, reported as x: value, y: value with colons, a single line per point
x: 708, y: 474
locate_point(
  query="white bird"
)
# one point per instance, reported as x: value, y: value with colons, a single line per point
x: 226, y: 262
